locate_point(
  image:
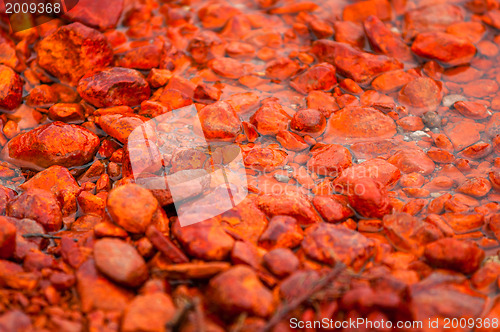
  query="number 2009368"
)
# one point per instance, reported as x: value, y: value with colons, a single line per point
x: 33, y: 8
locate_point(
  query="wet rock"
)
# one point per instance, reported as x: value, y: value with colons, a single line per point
x: 81, y: 49
x: 463, y: 133
x: 359, y: 11
x: 60, y: 182
x: 378, y: 169
x: 7, y: 239
x: 329, y: 244
x: 421, y: 95
x: 451, y: 253
x: 55, y: 143
x: 354, y: 64
x: 318, y: 77
x: 443, y: 47
x: 392, y: 81
x: 98, y: 293
x: 270, y: 119
x: 114, y: 86
x: 291, y: 141
x: 229, y: 68
x: 281, y: 232
x: 39, y: 205
x: 408, y: 233
x: 205, y: 240
x: 101, y: 16
x: 294, y: 205
x: 67, y: 112
x: 219, y: 121
x: 148, y: 312
x: 472, y: 110
x: 493, y: 125
x: 475, y: 186
x: 358, y: 123
x: 412, y: 160
x: 6, y: 194
x: 11, y: 88
x: 329, y: 160
x: 281, y: 262
x: 120, y: 126
x: 120, y: 262
x: 333, y: 208
x: 281, y: 69
x: 433, y: 17
x: 384, y: 41
x: 369, y: 198
x: 308, y: 122
x: 239, y: 290
x: 445, y: 295
x: 265, y: 159
x: 131, y: 207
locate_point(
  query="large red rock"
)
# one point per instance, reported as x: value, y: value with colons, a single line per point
x: 329, y: 160
x: 79, y: 50
x: 39, y: 205
x: 421, y: 95
x: 327, y: 243
x: 385, y: 41
x: 350, y: 62
x: 443, y: 47
x: 358, y: 123
x: 120, y: 262
x: 11, y: 88
x: 148, y: 312
x: 55, y: 143
x: 96, y: 14
x: 433, y: 17
x: 412, y: 160
x: 114, y: 86
x: 451, y: 253
x: 318, y: 77
x: 239, y: 290
x: 219, y: 121
x: 131, y: 207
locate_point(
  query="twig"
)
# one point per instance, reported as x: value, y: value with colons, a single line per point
x: 286, y: 308
x: 44, y: 236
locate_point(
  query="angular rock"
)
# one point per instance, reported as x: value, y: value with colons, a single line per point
x: 55, y: 143
x: 281, y: 232
x: 369, y: 198
x: 354, y: 64
x: 407, y: 233
x: 270, y: 119
x: 412, y: 160
x: 384, y: 41
x: 219, y: 121
x: 443, y: 47
x: 114, y: 86
x: 96, y: 14
x: 239, y: 290
x: 329, y: 160
x: 80, y: 49
x: 39, y: 205
x: 60, y: 182
x: 451, y: 253
x: 378, y: 169
x: 148, y: 312
x: 318, y: 77
x: 265, y: 159
x: 7, y: 239
x: 98, y: 293
x: 205, y: 240
x: 329, y: 244
x: 120, y: 126
x: 11, y: 88
x: 294, y: 205
x: 433, y: 17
